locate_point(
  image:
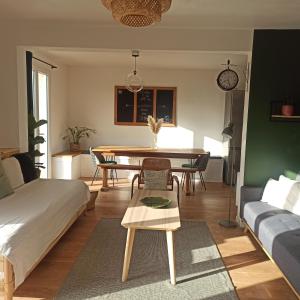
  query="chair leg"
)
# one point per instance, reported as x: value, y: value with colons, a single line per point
x: 203, y: 182
x: 116, y: 175
x: 112, y: 176
x: 194, y: 181
x: 183, y: 179
x: 95, y: 174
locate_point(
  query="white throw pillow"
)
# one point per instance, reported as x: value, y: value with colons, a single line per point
x: 291, y: 189
x: 13, y: 171
x: 273, y: 194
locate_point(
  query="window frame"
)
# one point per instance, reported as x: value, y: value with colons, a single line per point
x: 155, y: 89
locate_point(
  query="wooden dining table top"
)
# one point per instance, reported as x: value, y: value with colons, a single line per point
x: 133, y: 151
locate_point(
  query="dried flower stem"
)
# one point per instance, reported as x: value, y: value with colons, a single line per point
x: 153, y: 125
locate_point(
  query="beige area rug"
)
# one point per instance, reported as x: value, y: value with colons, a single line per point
x: 97, y: 272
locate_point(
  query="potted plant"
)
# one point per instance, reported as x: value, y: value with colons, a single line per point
x: 287, y: 108
x: 34, y: 140
x: 75, y: 134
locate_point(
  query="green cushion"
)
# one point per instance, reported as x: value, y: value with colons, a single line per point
x: 186, y: 166
x: 155, y: 180
x: 5, y: 187
x: 110, y: 162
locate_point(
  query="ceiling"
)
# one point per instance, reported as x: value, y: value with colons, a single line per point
x: 148, y: 58
x: 183, y: 13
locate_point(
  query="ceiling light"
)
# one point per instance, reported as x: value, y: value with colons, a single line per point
x: 134, y: 82
x: 137, y: 13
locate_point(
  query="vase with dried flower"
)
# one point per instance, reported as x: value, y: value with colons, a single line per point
x: 75, y: 134
x: 154, y: 127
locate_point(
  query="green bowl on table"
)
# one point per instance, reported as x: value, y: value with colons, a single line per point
x: 156, y: 202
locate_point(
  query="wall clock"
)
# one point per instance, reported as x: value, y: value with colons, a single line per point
x: 228, y: 79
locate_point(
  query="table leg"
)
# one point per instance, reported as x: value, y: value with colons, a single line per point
x: 128, y: 251
x: 104, y: 180
x: 170, y: 243
x: 187, y: 183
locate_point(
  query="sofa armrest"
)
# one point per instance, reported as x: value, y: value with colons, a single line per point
x: 249, y: 194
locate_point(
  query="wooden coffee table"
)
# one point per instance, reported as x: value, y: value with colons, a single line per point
x: 139, y: 216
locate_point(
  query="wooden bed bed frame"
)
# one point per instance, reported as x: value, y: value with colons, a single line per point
x: 7, y: 284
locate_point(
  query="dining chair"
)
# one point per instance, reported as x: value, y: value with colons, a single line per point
x: 97, y: 159
x: 156, y: 164
x: 200, y: 166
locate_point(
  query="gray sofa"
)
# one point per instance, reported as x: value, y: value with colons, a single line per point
x: 278, y: 231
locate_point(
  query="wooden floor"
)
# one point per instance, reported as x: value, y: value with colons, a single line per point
x: 253, y: 274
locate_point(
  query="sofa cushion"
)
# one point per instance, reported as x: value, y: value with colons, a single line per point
x: 286, y: 253
x: 257, y: 211
x: 5, y: 187
x: 273, y: 193
x: 13, y: 171
x: 292, y: 201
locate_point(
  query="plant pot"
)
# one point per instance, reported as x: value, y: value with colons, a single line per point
x: 287, y: 110
x: 74, y: 147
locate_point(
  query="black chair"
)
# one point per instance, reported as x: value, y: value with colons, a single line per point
x: 199, y: 165
x: 97, y: 159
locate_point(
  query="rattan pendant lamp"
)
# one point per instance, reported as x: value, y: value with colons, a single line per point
x: 137, y: 13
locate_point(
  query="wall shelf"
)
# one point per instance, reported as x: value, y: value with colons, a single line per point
x: 285, y: 117
x: 276, y: 115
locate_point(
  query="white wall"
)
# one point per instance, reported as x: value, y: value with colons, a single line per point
x: 200, y: 107
x: 80, y: 35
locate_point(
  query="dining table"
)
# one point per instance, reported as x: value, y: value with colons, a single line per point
x: 136, y: 151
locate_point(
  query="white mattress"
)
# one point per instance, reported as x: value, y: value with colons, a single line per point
x: 32, y: 217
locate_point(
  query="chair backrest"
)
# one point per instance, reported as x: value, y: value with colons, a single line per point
x: 93, y: 157
x: 97, y: 157
x: 202, y: 161
x: 156, y: 164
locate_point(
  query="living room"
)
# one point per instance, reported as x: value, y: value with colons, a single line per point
x: 188, y: 49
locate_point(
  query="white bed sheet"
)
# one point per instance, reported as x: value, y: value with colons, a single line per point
x: 32, y: 217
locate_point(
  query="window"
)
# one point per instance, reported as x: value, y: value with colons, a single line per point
x: 40, y: 83
x: 134, y: 108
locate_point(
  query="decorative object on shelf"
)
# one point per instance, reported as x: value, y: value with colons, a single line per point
x: 156, y: 202
x: 287, y: 109
x: 228, y: 79
x: 134, y: 82
x: 75, y: 134
x: 137, y: 13
x: 34, y: 140
x: 155, y: 128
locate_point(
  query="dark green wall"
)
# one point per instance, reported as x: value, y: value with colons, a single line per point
x: 272, y: 148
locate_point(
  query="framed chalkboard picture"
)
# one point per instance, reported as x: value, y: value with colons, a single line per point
x: 134, y: 108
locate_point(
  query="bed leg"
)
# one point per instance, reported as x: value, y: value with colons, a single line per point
x: 8, y: 280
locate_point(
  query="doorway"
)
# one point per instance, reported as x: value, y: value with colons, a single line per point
x: 40, y: 84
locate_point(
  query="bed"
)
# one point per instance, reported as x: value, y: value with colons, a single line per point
x: 31, y: 221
